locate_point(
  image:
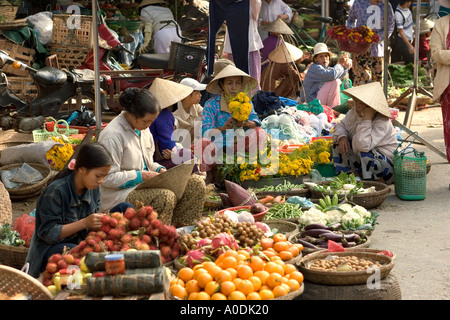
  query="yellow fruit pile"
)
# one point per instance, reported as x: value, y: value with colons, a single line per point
x: 237, y: 275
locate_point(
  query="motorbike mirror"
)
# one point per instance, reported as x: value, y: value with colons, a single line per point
x: 127, y: 39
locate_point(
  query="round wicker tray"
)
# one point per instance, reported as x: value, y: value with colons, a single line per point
x: 29, y: 191
x: 295, y: 192
x: 285, y: 227
x: 346, y: 277
x: 289, y: 296
x: 13, y: 281
x: 366, y: 200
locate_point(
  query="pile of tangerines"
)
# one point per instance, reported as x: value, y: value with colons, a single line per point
x: 238, y: 275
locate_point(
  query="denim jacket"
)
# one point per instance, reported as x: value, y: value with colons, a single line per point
x: 59, y: 204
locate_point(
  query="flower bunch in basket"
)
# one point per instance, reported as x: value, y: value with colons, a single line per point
x: 318, y: 151
x: 60, y: 153
x: 360, y: 35
x: 240, y: 106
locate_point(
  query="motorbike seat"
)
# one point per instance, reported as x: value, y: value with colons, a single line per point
x: 325, y: 19
x: 49, y: 76
x: 154, y: 60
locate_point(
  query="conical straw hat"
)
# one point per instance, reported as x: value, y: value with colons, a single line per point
x: 174, y: 179
x: 278, y: 26
x: 248, y: 83
x: 372, y: 95
x: 285, y: 53
x: 169, y: 92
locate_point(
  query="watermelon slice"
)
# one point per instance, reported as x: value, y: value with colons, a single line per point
x: 335, y: 247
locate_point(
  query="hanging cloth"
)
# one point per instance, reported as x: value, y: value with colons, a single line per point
x: 236, y: 13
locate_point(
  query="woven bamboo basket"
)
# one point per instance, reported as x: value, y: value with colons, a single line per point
x: 32, y: 190
x: 345, y: 277
x: 9, y: 12
x: 12, y: 25
x: 17, y: 52
x: 13, y: 256
x: 366, y: 200
x: 13, y: 282
x: 5, y: 206
x: 285, y: 227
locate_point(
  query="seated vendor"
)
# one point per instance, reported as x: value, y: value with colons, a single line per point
x: 130, y: 143
x: 322, y: 81
x: 167, y: 152
x: 68, y: 208
x: 365, y: 140
x: 190, y: 111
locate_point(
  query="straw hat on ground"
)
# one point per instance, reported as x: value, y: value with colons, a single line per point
x: 321, y: 48
x: 285, y: 53
x: 278, y: 26
x: 426, y: 26
x: 147, y: 2
x: 169, y: 92
x: 220, y: 64
x: 249, y: 83
x: 372, y: 95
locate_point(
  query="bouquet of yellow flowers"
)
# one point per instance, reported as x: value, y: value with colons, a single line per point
x: 318, y: 151
x: 240, y: 106
x: 58, y: 156
x: 356, y: 40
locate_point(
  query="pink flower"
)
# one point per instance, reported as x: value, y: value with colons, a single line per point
x: 71, y: 164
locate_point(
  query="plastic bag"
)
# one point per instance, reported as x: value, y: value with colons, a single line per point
x: 43, y: 24
x: 27, y: 153
x: 27, y: 174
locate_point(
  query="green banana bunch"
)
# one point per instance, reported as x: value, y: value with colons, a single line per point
x: 326, y: 203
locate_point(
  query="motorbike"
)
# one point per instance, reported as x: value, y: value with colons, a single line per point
x: 55, y: 88
x: 163, y: 60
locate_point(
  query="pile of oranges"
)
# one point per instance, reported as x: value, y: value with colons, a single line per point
x: 237, y: 275
x: 278, y: 245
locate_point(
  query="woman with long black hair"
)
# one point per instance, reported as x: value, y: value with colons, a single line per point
x: 68, y: 207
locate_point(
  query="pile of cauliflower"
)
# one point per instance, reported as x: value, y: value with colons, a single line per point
x: 354, y: 214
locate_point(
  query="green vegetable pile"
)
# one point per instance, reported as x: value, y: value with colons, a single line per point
x: 403, y: 75
x: 10, y: 237
x: 286, y: 186
x: 284, y: 210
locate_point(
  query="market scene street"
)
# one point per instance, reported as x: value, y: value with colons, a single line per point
x: 224, y: 150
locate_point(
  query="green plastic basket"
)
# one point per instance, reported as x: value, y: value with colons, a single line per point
x: 410, y: 174
x: 43, y: 134
x: 325, y: 170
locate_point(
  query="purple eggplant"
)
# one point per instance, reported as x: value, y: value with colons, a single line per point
x: 316, y: 226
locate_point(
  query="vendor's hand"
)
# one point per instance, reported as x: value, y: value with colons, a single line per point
x: 167, y: 154
x: 348, y: 64
x: 93, y: 221
x: 369, y: 113
x: 162, y: 170
x: 344, y: 145
x: 229, y: 124
x: 146, y: 175
x: 265, y: 23
x: 283, y: 16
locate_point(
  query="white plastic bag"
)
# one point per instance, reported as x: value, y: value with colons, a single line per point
x: 43, y: 24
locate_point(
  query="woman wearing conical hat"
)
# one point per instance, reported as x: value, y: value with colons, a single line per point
x: 364, y: 141
x: 130, y: 143
x: 281, y: 74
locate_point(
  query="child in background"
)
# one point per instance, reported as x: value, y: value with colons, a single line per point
x: 426, y: 26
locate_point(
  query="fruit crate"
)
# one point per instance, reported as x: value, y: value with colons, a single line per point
x: 66, y: 33
x: 24, y: 88
x: 69, y: 56
x: 20, y: 53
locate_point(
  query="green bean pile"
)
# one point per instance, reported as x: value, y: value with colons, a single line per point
x: 283, y: 211
x: 286, y: 186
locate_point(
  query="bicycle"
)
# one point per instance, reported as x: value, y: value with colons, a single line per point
x: 299, y: 33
